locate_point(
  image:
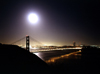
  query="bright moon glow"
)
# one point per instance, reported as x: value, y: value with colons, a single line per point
x: 33, y: 18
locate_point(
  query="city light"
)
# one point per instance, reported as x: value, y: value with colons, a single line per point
x: 62, y: 56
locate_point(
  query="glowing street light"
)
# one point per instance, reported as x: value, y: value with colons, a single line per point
x: 33, y: 18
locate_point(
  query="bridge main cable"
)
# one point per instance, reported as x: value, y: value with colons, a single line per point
x: 18, y: 40
x: 36, y: 40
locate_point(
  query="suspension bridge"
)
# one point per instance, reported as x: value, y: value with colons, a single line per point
x: 32, y: 45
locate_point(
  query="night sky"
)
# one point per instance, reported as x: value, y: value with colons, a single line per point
x: 60, y: 21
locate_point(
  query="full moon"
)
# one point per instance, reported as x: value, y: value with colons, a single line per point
x: 33, y: 18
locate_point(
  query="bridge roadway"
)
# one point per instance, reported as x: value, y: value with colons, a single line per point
x: 33, y: 50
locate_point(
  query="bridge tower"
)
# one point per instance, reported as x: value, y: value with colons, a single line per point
x: 74, y: 43
x: 27, y: 43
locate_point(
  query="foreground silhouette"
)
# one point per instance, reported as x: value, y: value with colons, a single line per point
x: 16, y: 60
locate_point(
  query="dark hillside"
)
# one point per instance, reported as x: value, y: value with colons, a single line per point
x: 91, y: 60
x: 16, y: 60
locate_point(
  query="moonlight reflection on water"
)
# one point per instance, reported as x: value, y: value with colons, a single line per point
x: 53, y: 56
